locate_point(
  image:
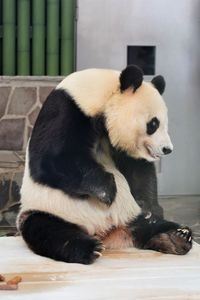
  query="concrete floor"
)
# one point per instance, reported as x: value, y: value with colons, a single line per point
x: 184, y: 210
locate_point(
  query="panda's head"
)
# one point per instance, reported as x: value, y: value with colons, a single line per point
x: 136, y: 116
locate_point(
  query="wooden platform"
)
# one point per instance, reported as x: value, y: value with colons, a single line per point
x: 129, y: 274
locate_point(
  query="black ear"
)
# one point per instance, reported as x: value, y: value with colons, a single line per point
x: 159, y: 83
x: 132, y: 76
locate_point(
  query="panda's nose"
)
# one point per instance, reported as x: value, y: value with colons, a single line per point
x: 166, y: 150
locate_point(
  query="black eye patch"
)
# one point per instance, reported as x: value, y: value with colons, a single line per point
x: 152, y: 125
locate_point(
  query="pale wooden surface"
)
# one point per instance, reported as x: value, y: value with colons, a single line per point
x: 129, y: 274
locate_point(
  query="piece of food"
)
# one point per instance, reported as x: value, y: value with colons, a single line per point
x: 14, y: 280
x: 11, y: 284
x: 2, y: 278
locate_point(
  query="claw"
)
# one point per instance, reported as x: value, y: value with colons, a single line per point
x: 97, y: 253
x: 179, y: 233
x: 182, y: 231
x: 148, y: 215
x: 100, y: 247
x: 103, y: 248
x: 185, y: 230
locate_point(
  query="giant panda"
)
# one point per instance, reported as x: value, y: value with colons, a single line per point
x: 89, y: 180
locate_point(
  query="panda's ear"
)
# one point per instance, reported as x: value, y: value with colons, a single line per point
x: 159, y: 83
x: 132, y: 76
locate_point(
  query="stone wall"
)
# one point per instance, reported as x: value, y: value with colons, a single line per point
x: 11, y: 172
x: 20, y: 101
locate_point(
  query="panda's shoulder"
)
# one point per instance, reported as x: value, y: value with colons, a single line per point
x: 91, y: 88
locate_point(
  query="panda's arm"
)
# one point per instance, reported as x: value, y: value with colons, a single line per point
x: 60, y: 153
x: 142, y: 180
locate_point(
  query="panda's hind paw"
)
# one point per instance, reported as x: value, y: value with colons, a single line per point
x: 83, y: 250
x: 177, y: 241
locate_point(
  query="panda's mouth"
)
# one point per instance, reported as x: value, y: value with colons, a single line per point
x: 152, y: 153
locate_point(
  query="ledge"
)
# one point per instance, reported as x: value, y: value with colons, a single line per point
x: 31, y: 78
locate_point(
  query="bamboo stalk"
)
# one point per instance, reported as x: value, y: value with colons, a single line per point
x: 23, y: 35
x: 67, y: 36
x: 38, y: 37
x: 9, y: 37
x: 52, y: 37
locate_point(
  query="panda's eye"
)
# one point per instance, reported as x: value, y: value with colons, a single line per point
x: 152, y: 126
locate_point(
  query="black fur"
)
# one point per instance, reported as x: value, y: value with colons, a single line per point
x: 98, y: 124
x: 159, y: 83
x: 141, y: 177
x: 52, y: 237
x: 152, y: 232
x: 132, y: 76
x: 60, y: 151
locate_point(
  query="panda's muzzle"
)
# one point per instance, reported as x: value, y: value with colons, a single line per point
x: 157, y: 153
x: 152, y: 153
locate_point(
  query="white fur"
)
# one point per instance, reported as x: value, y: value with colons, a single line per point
x: 91, y: 88
x: 127, y: 115
x: 92, y: 215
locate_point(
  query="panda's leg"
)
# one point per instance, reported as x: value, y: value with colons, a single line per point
x: 52, y: 237
x: 150, y: 232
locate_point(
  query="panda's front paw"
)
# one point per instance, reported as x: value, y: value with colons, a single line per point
x: 106, y: 191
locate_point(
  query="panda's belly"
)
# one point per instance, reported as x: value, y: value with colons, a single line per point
x: 91, y: 214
